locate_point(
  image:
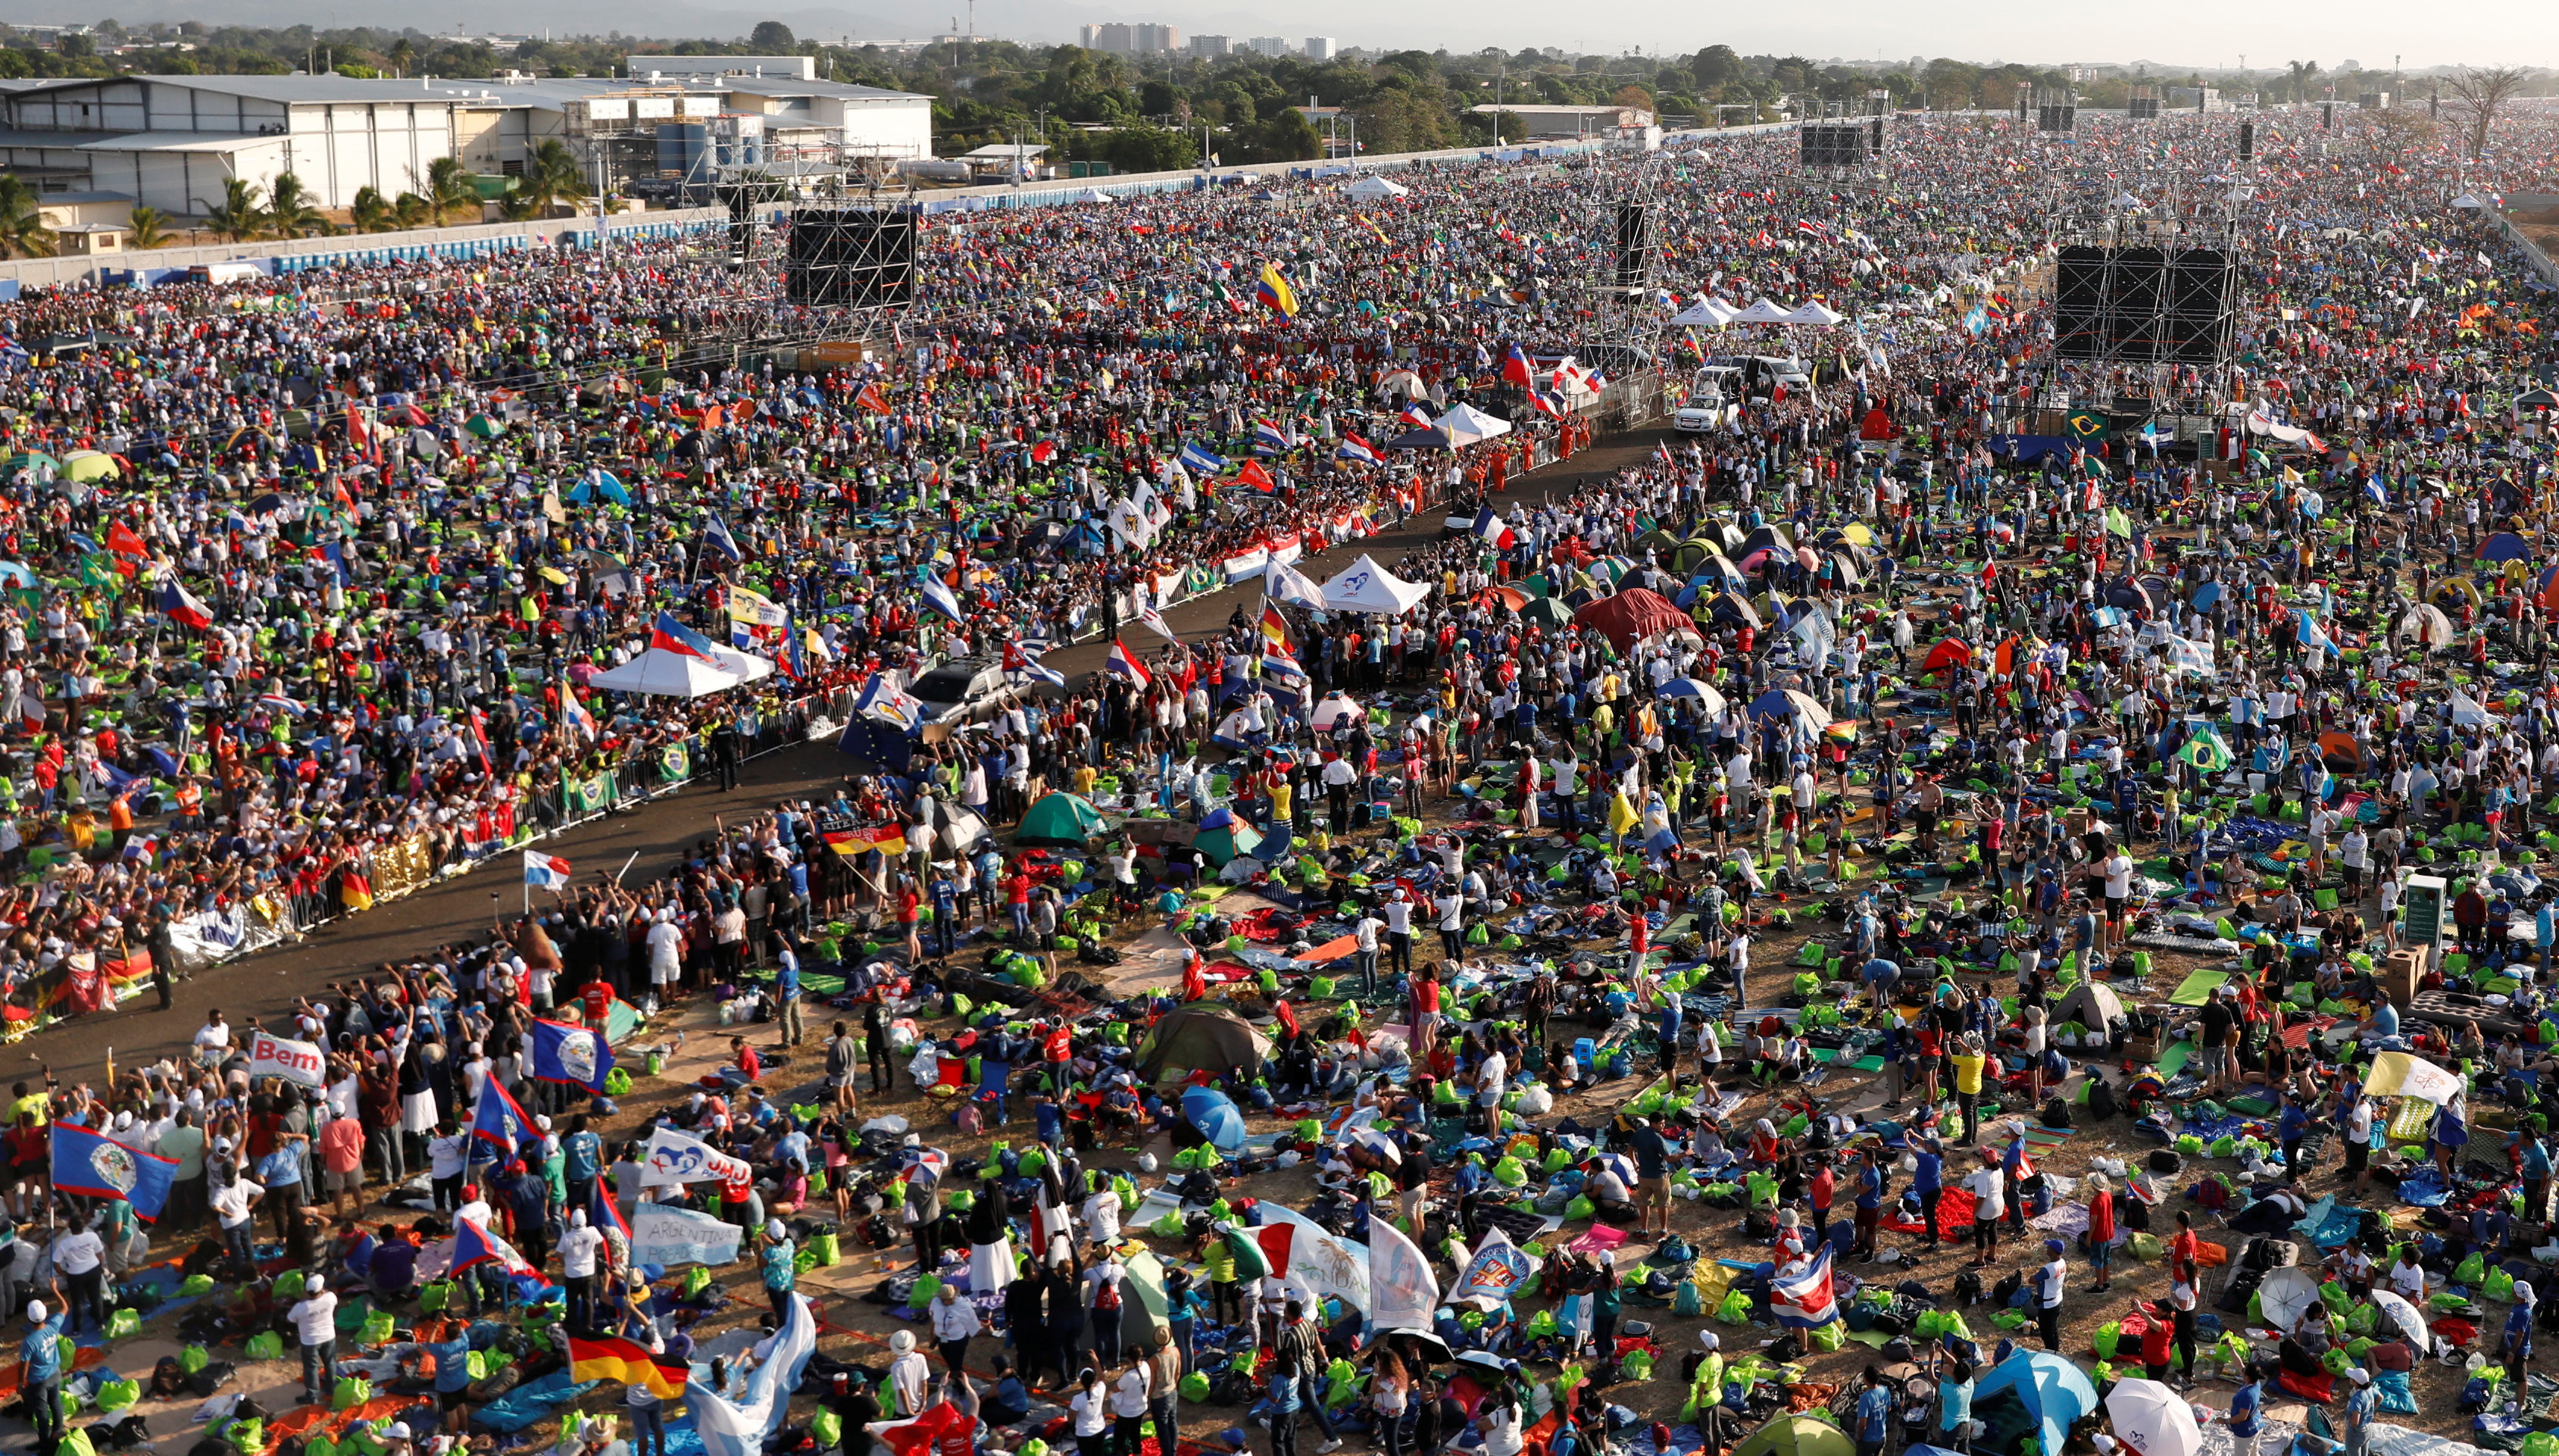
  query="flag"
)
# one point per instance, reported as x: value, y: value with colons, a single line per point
x: 1019, y: 661
x: 680, y: 1157
x: 1415, y: 416
x: 1255, y: 476
x: 184, y: 609
x: 1281, y: 582
x: 1155, y: 622
x: 745, y: 1427
x: 2085, y: 425
x: 1271, y: 439
x: 283, y: 703
x: 1355, y: 448
x: 474, y: 1245
x: 1490, y: 525
x: 940, y: 1425
x: 1201, y: 461
x: 545, y: 871
x: 575, y: 1054
x: 575, y: 714
x: 1275, y: 630
x: 1516, y: 369
x: 1805, y: 1300
x: 940, y: 598
x: 1124, y: 664
x: 672, y: 636
x: 124, y: 543
x: 603, y: 1212
x: 756, y: 609
x: 884, y: 701
x: 1400, y: 1280
x: 2205, y: 751
x: 888, y: 839
x: 1276, y: 294
x: 715, y: 536
x: 873, y: 399
x: 631, y: 1363
x: 497, y: 1119
x: 1494, y: 1274
x: 89, y: 1164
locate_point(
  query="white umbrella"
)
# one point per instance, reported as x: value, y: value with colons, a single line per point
x: 2286, y: 1295
x: 2405, y: 1316
x: 2153, y: 1419
x: 1379, y: 1142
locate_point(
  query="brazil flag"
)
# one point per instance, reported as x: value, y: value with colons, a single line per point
x: 2087, y: 425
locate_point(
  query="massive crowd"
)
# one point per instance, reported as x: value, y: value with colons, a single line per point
x: 1942, y: 632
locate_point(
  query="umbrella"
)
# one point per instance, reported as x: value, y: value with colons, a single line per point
x: 1378, y: 1142
x: 2405, y: 1316
x: 1487, y: 1360
x: 1214, y: 1114
x: 2286, y: 1295
x: 2153, y: 1419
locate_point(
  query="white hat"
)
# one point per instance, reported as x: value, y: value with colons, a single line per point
x: 36, y: 1311
x: 2359, y: 1375
x: 399, y: 1431
x: 773, y: 1228
x: 316, y: 1285
x: 902, y: 1342
x: 1708, y: 1339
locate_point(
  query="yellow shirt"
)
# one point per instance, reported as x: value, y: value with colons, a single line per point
x: 1084, y: 777
x: 1968, y: 1074
x: 1282, y: 794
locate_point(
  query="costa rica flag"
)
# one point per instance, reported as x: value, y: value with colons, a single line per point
x: 1806, y: 1299
x: 676, y: 638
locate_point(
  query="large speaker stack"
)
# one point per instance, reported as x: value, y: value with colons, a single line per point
x: 1634, y: 260
x: 852, y: 257
x: 2247, y: 141
x: 2145, y: 304
x: 2056, y: 116
x: 2144, y: 107
x: 1838, y: 143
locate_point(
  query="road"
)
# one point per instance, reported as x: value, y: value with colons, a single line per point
x: 460, y: 910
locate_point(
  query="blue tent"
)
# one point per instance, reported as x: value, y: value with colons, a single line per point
x: 2505, y: 545
x: 1214, y: 1114
x: 2052, y: 1390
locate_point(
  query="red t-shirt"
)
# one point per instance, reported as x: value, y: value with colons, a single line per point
x: 598, y: 998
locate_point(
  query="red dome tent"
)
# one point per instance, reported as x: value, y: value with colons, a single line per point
x: 1633, y: 615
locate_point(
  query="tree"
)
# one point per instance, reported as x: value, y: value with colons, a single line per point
x: 551, y: 173
x: 2482, y: 91
x: 449, y: 186
x: 410, y: 211
x: 292, y: 211
x: 2301, y: 71
x: 150, y: 228
x: 771, y: 38
x: 1145, y: 147
x: 1285, y: 136
x: 1632, y: 95
x: 21, y: 227
x: 403, y: 54
x: 371, y: 211
x: 237, y: 217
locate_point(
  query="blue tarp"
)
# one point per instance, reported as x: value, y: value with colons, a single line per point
x: 524, y: 1404
x: 2027, y: 448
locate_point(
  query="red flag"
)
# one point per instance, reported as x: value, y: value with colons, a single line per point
x: 1255, y: 476
x: 873, y: 399
x: 121, y: 540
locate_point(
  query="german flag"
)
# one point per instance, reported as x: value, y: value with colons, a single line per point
x: 611, y: 1359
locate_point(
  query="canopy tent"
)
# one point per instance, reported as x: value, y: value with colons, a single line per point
x: 1374, y: 187
x: 1764, y: 312
x: 1814, y: 313
x: 1706, y: 313
x: 1216, y: 1117
x: 1368, y: 587
x: 1631, y: 616
x: 1464, y: 424
x: 1060, y: 820
x: 1201, y: 1037
x: 2051, y: 1391
x: 659, y: 673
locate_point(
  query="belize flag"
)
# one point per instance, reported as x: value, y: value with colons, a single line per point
x: 1124, y: 664
x: 186, y: 609
x: 575, y: 1054
x: 1806, y: 1299
x: 497, y: 1121
x: 474, y: 1245
x: 674, y: 637
x: 1355, y: 448
x: 88, y: 1164
x: 545, y: 871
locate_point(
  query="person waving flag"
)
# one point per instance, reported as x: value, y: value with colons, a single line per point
x: 1276, y: 294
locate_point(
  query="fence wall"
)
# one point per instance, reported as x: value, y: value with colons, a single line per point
x: 2533, y: 257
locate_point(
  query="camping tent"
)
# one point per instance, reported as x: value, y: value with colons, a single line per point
x: 1368, y: 587
x: 659, y: 673
x: 2091, y: 1005
x: 1631, y: 616
x: 1373, y: 188
x: 1201, y: 1037
x: 1333, y: 709
x: 1059, y: 818
x: 2047, y: 1390
x: 1225, y: 842
x: 2505, y: 545
x: 1796, y: 1436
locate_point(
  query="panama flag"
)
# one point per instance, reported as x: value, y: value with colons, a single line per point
x: 88, y: 1164
x: 497, y: 1119
x: 1490, y: 525
x: 545, y: 871
x: 1355, y: 448
x: 175, y: 603
x: 669, y: 635
x: 1124, y: 664
x: 940, y: 598
x: 1806, y: 1299
x: 474, y: 1245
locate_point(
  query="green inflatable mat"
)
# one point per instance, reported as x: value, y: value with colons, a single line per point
x: 2197, y: 989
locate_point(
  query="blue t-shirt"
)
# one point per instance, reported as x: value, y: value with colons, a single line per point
x: 2243, y: 1411
x: 452, y: 1363
x: 281, y: 1168
x: 42, y: 1350
x: 1873, y: 1412
x: 781, y: 1266
x: 1954, y: 1403
x: 1930, y: 1173
x: 2295, y: 1121
x: 581, y: 1155
x: 2385, y: 1020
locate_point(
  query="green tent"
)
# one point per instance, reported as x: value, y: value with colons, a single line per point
x: 1060, y: 818
x: 1547, y: 611
x: 1227, y: 841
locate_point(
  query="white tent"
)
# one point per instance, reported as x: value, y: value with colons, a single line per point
x: 1468, y: 425
x: 2470, y: 201
x: 661, y: 673
x: 1706, y: 313
x: 1368, y: 587
x: 1374, y: 185
x: 1814, y: 313
x: 1762, y: 312
x: 1331, y: 710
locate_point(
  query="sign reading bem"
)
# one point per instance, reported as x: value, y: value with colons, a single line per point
x: 299, y: 1062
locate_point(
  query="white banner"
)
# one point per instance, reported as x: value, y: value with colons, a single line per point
x: 666, y: 1236
x: 679, y: 1157
x: 296, y: 1062
x: 1315, y: 1259
x: 741, y: 1427
x: 1400, y: 1279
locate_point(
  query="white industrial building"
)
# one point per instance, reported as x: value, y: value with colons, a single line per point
x: 172, y: 142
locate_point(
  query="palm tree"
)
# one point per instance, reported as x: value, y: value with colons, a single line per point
x: 449, y: 185
x: 551, y: 173
x: 237, y: 217
x: 410, y: 211
x: 21, y: 227
x: 371, y: 212
x: 150, y: 228
x: 291, y: 211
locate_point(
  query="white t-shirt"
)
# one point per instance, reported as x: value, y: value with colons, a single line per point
x: 231, y: 1200
x: 315, y: 1319
x: 1453, y: 912
x: 578, y: 1247
x: 1990, y: 1193
x: 2119, y: 876
x: 77, y: 1253
x: 1090, y: 1409
x: 1128, y: 1392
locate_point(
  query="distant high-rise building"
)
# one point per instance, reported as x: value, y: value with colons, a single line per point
x: 1132, y: 40
x: 1273, y: 46
x: 1317, y: 47
x: 1156, y: 38
x: 1203, y: 48
x: 1090, y: 37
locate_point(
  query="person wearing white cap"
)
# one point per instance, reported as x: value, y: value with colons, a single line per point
x: 906, y: 1374
x: 42, y: 1374
x: 315, y: 1321
x: 2517, y: 1343
x: 2362, y: 1405
x: 579, y: 1249
x: 781, y: 1267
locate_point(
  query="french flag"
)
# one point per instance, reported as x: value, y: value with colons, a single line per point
x: 1806, y: 1299
x: 1517, y: 370
x: 1355, y: 448
x: 1124, y: 664
x: 175, y: 603
x: 1490, y: 525
x: 676, y: 638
